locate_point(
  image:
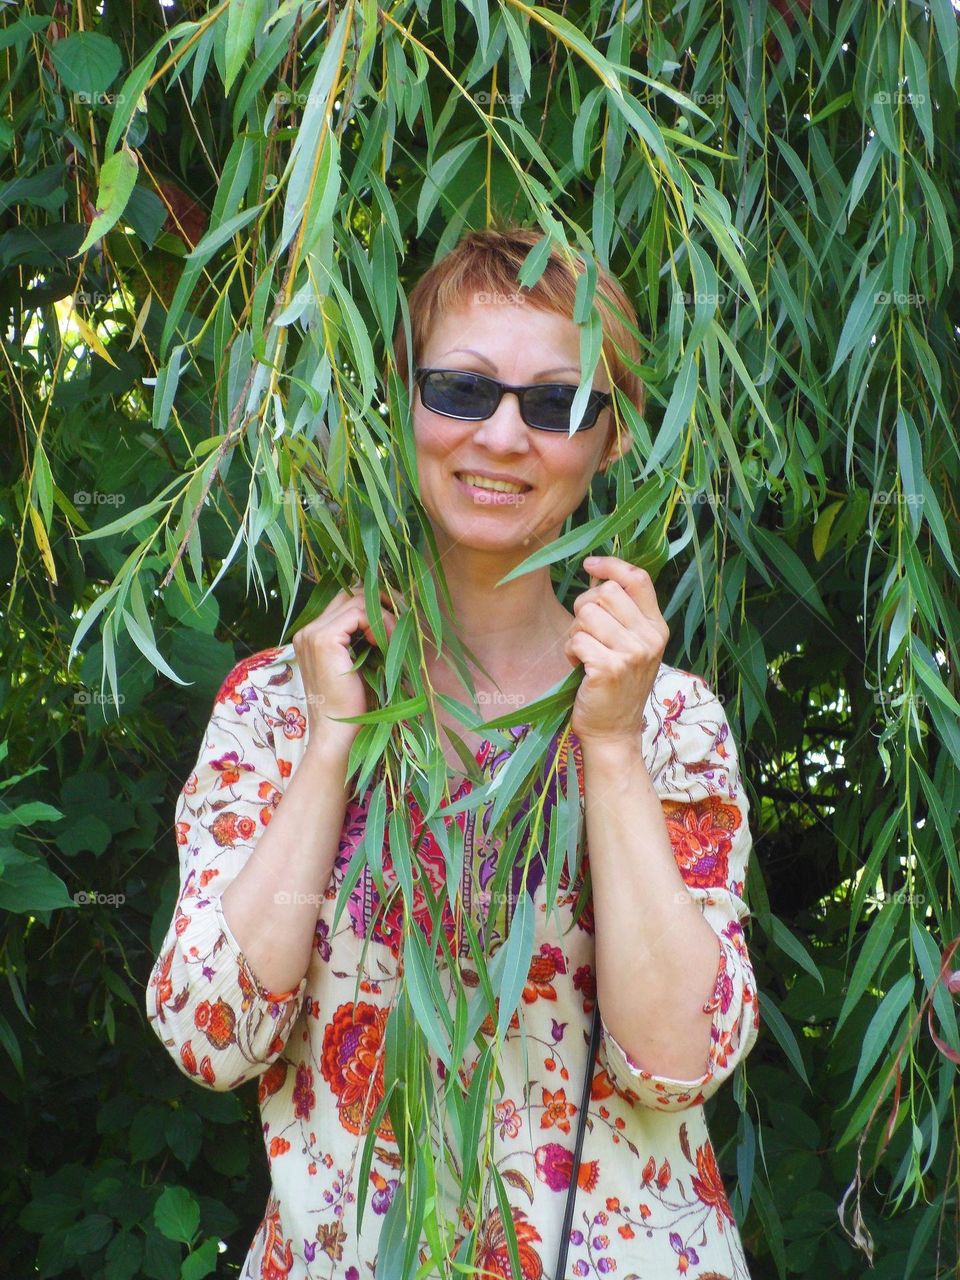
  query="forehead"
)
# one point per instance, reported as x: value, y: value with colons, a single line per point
x: 496, y: 324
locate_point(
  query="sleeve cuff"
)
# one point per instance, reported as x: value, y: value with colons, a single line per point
x: 664, y: 1093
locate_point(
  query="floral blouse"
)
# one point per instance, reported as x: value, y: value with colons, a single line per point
x: 650, y: 1200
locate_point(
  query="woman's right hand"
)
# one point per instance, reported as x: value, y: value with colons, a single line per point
x: 323, y: 653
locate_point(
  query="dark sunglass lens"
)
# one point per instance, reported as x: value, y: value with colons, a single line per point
x: 549, y: 406
x: 461, y: 395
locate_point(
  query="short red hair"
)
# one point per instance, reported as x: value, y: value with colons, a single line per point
x: 488, y: 262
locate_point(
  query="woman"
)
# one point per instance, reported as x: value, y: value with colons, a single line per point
x: 251, y: 982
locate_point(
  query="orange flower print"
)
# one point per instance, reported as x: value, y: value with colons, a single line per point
x: 554, y: 1166
x: 650, y: 1173
x: 508, y: 1118
x: 190, y: 786
x: 352, y: 1053
x: 270, y: 795
x: 206, y: 1070
x: 227, y: 828
x: 216, y: 1021
x: 277, y: 1252
x: 238, y: 675
x: 493, y: 1254
x: 229, y: 767
x: 181, y: 829
x: 487, y: 1027
x: 292, y: 722
x: 543, y: 969
x: 557, y: 1109
x: 285, y: 767
x: 271, y: 1081
x: 709, y: 1185
x: 208, y: 874
x: 188, y: 1058
x: 702, y: 836
x: 164, y: 985
x: 278, y: 1147
x: 673, y: 708
x: 601, y: 1086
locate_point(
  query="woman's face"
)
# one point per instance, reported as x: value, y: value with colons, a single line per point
x: 516, y: 344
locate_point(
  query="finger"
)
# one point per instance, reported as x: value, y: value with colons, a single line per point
x: 635, y: 581
x: 612, y: 597
x: 587, y: 649
x: 595, y: 620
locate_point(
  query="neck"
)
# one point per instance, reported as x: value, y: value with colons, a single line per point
x: 504, y: 626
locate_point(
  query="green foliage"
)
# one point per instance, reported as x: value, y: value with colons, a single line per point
x: 208, y: 221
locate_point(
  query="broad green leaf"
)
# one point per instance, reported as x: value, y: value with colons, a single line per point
x: 118, y: 177
x: 87, y: 63
x: 177, y: 1214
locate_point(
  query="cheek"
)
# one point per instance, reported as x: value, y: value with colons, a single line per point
x: 429, y: 440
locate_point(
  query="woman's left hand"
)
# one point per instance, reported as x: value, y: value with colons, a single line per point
x: 619, y: 635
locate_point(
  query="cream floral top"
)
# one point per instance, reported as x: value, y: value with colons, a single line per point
x: 650, y: 1198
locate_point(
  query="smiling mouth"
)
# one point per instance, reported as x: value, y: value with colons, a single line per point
x: 496, y: 486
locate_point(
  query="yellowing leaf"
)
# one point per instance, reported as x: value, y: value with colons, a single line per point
x: 141, y: 321
x: 821, y: 530
x: 43, y: 543
x: 92, y: 339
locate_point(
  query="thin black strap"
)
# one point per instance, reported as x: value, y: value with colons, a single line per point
x: 581, y: 1126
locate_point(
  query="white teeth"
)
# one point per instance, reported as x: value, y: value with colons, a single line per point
x: 482, y: 482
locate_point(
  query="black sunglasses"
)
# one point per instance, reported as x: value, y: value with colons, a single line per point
x: 455, y: 393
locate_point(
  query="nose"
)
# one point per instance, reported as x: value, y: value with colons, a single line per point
x: 505, y: 430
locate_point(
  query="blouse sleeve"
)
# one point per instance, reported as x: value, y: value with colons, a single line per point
x: 217, y: 1020
x: 697, y: 775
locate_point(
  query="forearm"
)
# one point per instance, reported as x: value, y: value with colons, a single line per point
x: 272, y: 904
x: 656, y: 957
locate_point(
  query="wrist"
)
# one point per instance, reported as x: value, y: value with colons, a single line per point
x: 618, y: 748
x: 329, y: 746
